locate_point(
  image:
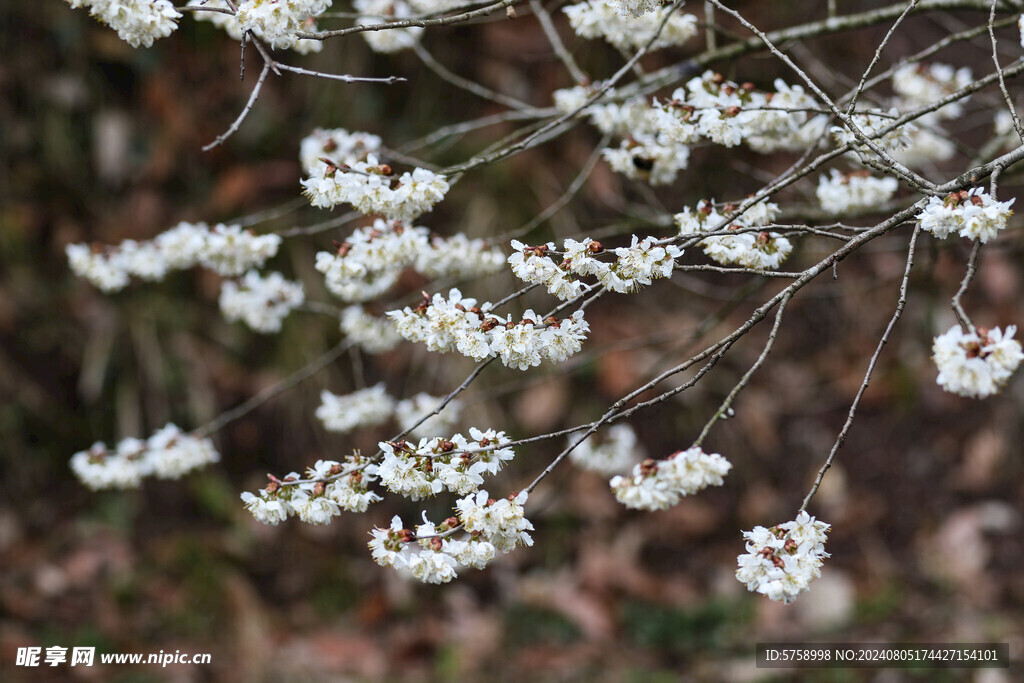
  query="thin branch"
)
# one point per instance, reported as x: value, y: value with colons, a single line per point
x: 410, y: 23
x: 556, y: 43
x: 345, y: 78
x: 537, y: 137
x: 726, y: 405
x: 908, y: 176
x: 466, y: 84
x: 245, y: 112
x: 999, y: 70
x: 958, y: 310
x: 878, y: 55
x: 900, y: 304
x: 303, y: 373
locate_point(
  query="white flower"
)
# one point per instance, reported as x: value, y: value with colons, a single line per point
x: 137, y: 22
x: 372, y: 334
x: 297, y: 15
x: 438, y: 322
x: 457, y: 324
x: 570, y: 99
x: 369, y: 262
x: 370, y: 188
x: 518, y: 346
x: 472, y: 552
x: 337, y: 145
x: 659, y: 484
x: 976, y: 365
x: 747, y: 247
x: 430, y: 566
x: 409, y: 411
x: 167, y: 454
x: 844, y: 192
x: 458, y: 257
x: 269, y: 511
x: 644, y: 260
x: 925, y: 147
x: 229, y: 250
x: 96, y: 267
x: 615, y: 453
x: 499, y: 522
x: 171, y: 453
x: 782, y: 561
x: 972, y: 213
x: 564, y: 338
x: 99, y: 468
x: 920, y: 85
x: 404, y: 470
x: 350, y: 491
x: 713, y: 108
x: 654, y: 159
x: 261, y: 303
x: 635, y: 7
x: 579, y: 257
x: 277, y: 21
x: 142, y: 259
x: 870, y: 123
x: 380, y: 11
x: 318, y: 510
x: 630, y: 26
x: 182, y: 244
x: 390, y: 547
x: 363, y: 408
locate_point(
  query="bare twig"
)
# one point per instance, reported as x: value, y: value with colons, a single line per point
x: 245, y: 111
x: 900, y: 304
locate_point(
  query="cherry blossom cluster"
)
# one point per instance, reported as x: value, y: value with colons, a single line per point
x: 977, y: 364
x: 841, y: 193
x: 458, y: 324
x: 371, y: 333
x: 971, y: 213
x: 167, y: 454
x: 781, y: 562
x: 137, y: 22
x: 871, y: 124
x: 920, y: 85
x: 329, y: 488
x: 226, y: 249
x: 373, y: 12
x: 369, y: 262
x: 635, y: 7
x: 374, y: 406
x: 434, y: 464
x: 615, y: 453
x: 748, y: 247
x: 363, y: 408
x: 709, y: 107
x: 277, y: 21
x: 659, y: 484
x: 260, y: 302
x: 628, y: 30
x: 370, y: 188
x: 433, y: 556
x: 409, y: 411
x: 272, y: 22
x: 643, y: 153
x: 326, y: 146
x: 642, y: 262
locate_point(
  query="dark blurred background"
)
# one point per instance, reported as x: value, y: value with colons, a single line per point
x: 101, y: 142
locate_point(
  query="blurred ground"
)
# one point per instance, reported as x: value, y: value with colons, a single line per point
x: 102, y: 143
